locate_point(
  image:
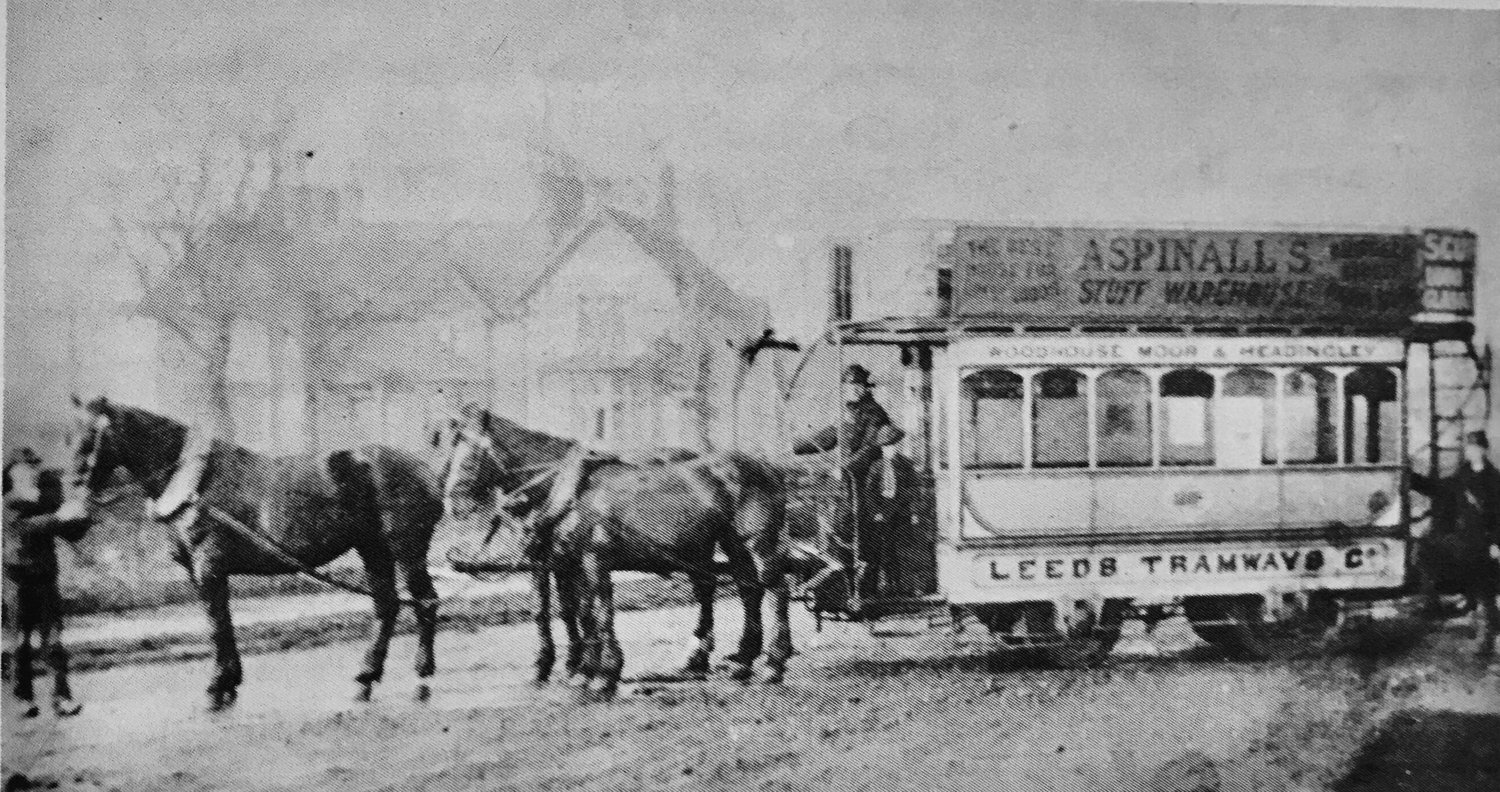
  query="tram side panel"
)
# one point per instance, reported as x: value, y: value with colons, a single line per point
x: 1276, y: 520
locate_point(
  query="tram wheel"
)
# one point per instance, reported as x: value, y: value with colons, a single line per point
x: 1239, y: 625
x: 1086, y: 642
x: 1034, y: 632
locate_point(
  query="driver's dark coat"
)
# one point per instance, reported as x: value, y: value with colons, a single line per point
x: 866, y: 429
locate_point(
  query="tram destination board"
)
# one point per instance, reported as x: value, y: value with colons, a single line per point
x: 1086, y: 275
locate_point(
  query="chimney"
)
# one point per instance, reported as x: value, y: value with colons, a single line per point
x: 563, y: 193
x: 665, y: 215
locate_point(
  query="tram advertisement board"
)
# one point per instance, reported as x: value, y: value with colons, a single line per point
x: 1079, y: 275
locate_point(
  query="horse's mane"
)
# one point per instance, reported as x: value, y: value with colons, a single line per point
x: 526, y: 447
x: 157, y: 443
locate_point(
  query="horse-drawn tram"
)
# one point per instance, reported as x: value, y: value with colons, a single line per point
x: 1105, y: 424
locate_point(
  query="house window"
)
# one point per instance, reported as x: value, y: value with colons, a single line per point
x: 601, y: 323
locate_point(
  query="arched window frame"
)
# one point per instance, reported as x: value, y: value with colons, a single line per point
x: 1151, y: 380
x: 967, y: 415
x: 1215, y: 376
x: 1353, y: 457
x: 1270, y: 379
x: 1082, y: 384
x: 1335, y: 376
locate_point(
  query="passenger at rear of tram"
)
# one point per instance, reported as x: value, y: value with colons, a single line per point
x: 1462, y: 553
x: 866, y: 437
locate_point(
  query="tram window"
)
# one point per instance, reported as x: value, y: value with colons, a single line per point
x: 1124, y: 418
x: 1372, y: 422
x: 993, y: 421
x: 1307, y: 403
x: 1060, y: 419
x: 1246, y: 425
x: 1187, y: 418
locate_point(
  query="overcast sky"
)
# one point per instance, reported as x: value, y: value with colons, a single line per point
x: 808, y: 114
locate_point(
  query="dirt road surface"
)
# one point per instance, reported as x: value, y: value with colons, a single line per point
x: 856, y: 713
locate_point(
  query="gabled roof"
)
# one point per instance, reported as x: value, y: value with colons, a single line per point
x: 688, y: 274
x: 496, y: 263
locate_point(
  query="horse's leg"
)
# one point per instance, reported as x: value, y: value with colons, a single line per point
x: 57, y: 656
x: 213, y: 590
x: 546, y: 653
x: 380, y: 571
x: 26, y: 675
x: 419, y: 583
x: 781, y: 625
x: 1488, y: 615
x: 747, y: 579
x: 604, y: 646
x: 568, y: 602
x: 704, y: 589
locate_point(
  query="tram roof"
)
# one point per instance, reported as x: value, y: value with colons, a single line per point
x: 903, y: 331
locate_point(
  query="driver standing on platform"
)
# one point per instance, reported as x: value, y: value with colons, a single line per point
x: 866, y: 436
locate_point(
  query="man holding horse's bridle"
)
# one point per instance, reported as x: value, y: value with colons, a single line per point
x: 33, y: 600
x: 866, y: 437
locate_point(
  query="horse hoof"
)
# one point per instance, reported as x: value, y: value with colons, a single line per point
x: 424, y: 692
x: 740, y: 672
x: 66, y: 707
x: 364, y: 693
x: 775, y: 676
x: 31, y: 711
x: 220, y: 700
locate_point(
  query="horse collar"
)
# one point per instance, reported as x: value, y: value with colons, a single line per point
x: 188, y: 477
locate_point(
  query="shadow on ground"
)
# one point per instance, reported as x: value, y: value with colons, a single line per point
x: 1425, y: 750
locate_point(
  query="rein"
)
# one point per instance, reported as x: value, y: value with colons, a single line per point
x: 285, y: 556
x: 192, y: 507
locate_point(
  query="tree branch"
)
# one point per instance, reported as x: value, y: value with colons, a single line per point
x: 362, y: 312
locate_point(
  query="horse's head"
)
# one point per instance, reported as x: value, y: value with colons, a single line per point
x: 475, y: 465
x: 95, y: 455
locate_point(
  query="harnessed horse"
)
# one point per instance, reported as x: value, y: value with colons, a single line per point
x: 33, y: 601
x: 235, y: 512
x: 594, y: 514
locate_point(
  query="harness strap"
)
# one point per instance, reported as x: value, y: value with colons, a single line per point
x: 186, y: 485
x: 285, y: 556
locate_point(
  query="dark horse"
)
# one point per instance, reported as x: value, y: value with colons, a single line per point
x: 33, y: 603
x: 239, y: 513
x: 594, y: 514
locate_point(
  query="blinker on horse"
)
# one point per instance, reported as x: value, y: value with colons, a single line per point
x: 236, y: 512
x: 594, y: 514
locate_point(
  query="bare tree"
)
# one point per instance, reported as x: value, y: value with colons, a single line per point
x: 188, y: 248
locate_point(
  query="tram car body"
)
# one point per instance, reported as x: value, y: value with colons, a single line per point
x: 1107, y: 423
